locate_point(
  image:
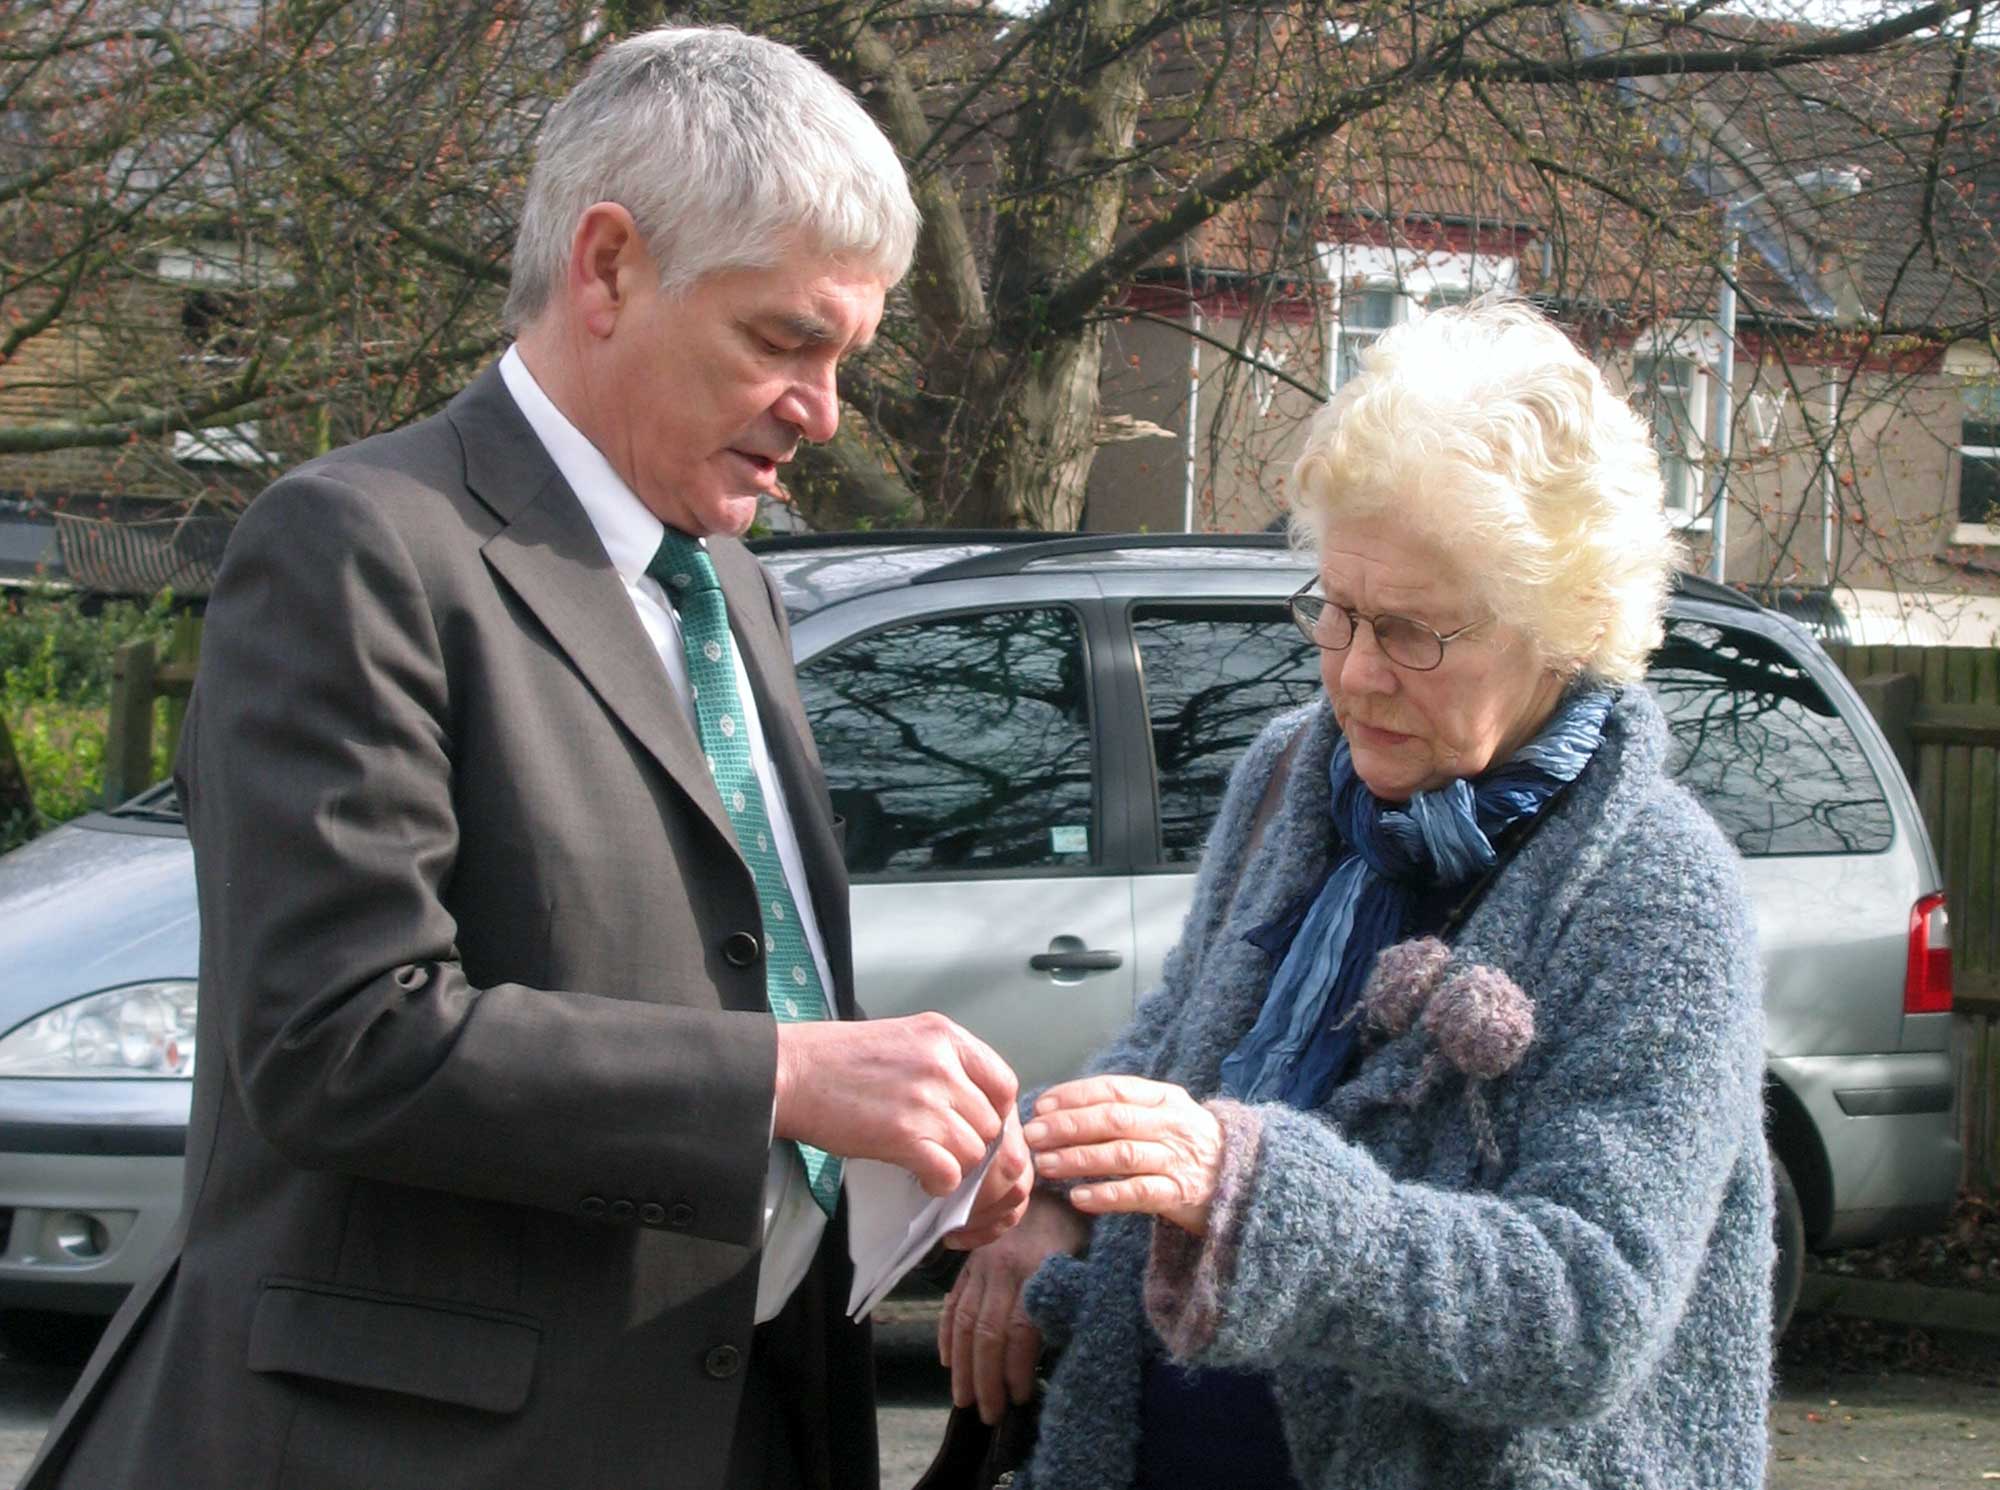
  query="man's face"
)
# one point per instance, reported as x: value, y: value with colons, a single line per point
x: 702, y: 397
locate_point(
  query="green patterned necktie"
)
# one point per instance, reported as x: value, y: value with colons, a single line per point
x: 791, y: 981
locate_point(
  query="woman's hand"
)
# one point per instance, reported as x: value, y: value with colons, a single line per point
x: 984, y: 1334
x: 1144, y: 1146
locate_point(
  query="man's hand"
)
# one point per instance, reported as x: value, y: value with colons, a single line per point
x: 917, y: 1092
x: 1003, y: 1195
x: 1144, y: 1146
x: 984, y: 1335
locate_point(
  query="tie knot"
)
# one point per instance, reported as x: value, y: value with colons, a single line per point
x: 682, y: 566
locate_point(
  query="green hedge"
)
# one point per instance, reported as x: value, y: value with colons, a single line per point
x: 55, y: 681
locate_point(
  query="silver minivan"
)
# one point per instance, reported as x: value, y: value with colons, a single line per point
x: 1028, y: 738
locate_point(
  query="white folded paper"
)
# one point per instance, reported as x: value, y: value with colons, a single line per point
x: 892, y: 1223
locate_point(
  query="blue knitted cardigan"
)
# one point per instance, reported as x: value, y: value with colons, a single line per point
x: 1579, y: 1302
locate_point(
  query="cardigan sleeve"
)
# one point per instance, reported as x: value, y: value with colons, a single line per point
x: 1548, y: 1297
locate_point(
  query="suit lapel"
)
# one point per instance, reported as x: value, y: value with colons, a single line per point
x: 548, y: 553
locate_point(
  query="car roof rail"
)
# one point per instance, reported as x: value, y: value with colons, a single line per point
x: 1017, y: 557
x: 784, y: 543
x: 1700, y: 587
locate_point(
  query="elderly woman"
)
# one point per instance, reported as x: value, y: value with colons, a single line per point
x: 1437, y: 1162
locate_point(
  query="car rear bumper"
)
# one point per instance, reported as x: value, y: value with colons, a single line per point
x: 1889, y: 1127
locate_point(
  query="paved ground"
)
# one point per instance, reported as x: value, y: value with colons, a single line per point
x: 1841, y: 1433
x: 1831, y: 1429
x: 29, y: 1397
x: 1862, y: 1432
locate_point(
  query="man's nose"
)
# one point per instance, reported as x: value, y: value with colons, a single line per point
x: 812, y: 407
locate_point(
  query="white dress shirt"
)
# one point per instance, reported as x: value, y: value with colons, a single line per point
x: 793, y: 1221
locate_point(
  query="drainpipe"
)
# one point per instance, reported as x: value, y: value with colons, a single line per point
x: 1827, y: 492
x: 1722, y: 405
x: 1193, y: 417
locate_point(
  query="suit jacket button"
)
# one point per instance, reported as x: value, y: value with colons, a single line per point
x: 740, y: 949
x: 682, y: 1215
x: 593, y: 1206
x: 621, y: 1210
x: 652, y: 1213
x: 722, y: 1362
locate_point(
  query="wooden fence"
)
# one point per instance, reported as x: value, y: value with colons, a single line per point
x: 1940, y: 707
x: 140, y: 676
x: 15, y: 798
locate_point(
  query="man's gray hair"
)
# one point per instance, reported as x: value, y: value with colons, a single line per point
x: 725, y: 148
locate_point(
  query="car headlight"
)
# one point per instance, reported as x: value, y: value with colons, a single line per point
x: 142, y: 1029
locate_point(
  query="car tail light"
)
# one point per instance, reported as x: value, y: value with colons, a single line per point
x: 1927, y: 983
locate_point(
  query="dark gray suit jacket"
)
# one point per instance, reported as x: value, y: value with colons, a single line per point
x: 483, y: 1088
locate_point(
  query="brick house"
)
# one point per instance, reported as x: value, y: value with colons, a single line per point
x: 1864, y: 421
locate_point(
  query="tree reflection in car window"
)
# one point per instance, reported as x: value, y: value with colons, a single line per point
x: 1758, y: 741
x: 960, y: 743
x: 1214, y: 677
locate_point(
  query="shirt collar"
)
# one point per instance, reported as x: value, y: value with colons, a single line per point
x: 630, y: 534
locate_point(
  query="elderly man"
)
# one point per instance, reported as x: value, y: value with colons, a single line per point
x: 528, y: 1050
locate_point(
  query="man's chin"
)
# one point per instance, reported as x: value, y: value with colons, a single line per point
x: 724, y: 517
x: 737, y: 514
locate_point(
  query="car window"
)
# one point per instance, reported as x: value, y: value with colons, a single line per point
x: 1763, y: 747
x: 1214, y: 676
x: 959, y: 743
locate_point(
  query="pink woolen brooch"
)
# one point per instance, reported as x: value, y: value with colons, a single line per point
x: 1479, y: 1020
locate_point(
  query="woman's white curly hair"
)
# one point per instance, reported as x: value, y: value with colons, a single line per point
x: 1488, y: 434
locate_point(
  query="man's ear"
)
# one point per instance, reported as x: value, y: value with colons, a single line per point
x: 605, y: 253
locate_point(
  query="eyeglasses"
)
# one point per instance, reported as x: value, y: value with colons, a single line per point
x: 1409, y: 644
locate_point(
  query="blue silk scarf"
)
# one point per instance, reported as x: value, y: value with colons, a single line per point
x: 1385, y: 855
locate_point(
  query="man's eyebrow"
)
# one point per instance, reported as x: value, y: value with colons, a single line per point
x: 810, y: 329
x: 802, y: 326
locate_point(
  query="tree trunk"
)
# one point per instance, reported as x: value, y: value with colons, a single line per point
x: 1031, y: 392
x: 1042, y: 439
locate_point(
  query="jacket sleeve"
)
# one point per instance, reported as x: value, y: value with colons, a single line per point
x: 321, y: 805
x: 1546, y: 1298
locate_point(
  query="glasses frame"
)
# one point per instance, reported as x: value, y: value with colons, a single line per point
x: 1307, y: 624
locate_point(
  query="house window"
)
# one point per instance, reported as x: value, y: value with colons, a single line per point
x: 1378, y: 286
x: 1979, y: 466
x: 1364, y: 315
x: 1263, y: 376
x: 222, y: 445
x: 215, y: 328
x: 1670, y: 389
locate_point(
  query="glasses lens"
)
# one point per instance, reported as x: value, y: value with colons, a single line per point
x: 1410, y: 643
x: 1324, y: 625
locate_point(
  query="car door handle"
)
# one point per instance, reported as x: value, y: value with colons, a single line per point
x: 1085, y: 960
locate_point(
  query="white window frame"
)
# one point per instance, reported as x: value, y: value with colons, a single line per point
x: 1347, y: 338
x: 1698, y: 346
x: 1264, y: 375
x: 237, y: 445
x: 1413, y: 276
x: 1681, y: 471
x: 224, y: 268
x: 1984, y: 401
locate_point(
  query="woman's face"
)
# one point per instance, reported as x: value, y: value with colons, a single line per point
x: 1413, y: 731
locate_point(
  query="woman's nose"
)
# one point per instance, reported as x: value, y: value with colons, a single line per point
x: 1363, y: 666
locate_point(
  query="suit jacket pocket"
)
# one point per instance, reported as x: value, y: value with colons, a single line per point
x: 476, y: 1358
